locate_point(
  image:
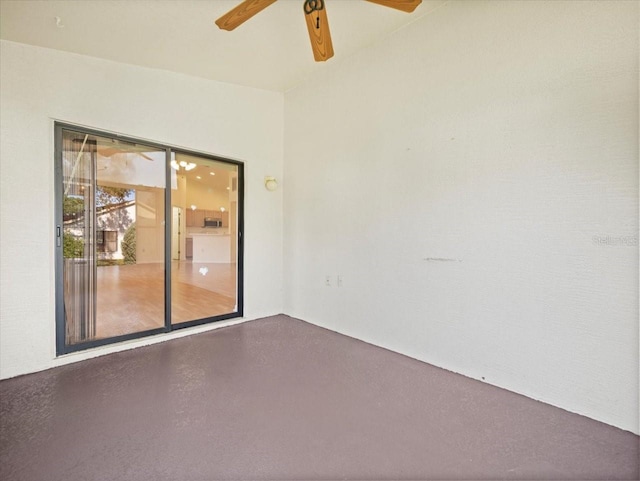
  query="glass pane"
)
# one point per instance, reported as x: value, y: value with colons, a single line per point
x: 204, y: 238
x: 78, y: 153
x: 113, y: 216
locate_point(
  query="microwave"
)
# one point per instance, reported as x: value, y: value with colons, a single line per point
x: 211, y: 222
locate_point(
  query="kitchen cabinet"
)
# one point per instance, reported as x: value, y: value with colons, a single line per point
x: 195, y: 218
x: 198, y: 218
x: 189, y: 247
x: 213, y: 214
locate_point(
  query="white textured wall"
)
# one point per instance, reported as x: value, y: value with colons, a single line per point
x: 503, y: 136
x: 39, y: 85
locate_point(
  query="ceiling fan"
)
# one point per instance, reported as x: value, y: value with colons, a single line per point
x: 116, y: 146
x: 315, y: 14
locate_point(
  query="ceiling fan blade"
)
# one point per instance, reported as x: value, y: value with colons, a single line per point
x: 108, y: 151
x: 404, y: 5
x: 319, y: 34
x: 243, y: 12
x: 111, y: 151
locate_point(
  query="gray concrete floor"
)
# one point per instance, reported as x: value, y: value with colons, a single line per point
x: 278, y: 398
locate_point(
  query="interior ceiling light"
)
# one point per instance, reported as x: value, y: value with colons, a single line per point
x: 212, y: 173
x: 182, y: 164
x: 315, y: 14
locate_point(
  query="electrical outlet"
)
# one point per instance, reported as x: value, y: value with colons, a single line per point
x: 327, y: 281
x: 339, y: 280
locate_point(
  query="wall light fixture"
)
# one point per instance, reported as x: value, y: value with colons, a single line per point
x: 270, y: 183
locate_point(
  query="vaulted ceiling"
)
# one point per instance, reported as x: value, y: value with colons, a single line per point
x: 270, y: 51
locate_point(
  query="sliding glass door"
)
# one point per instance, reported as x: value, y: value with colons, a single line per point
x: 134, y: 257
x: 204, y: 267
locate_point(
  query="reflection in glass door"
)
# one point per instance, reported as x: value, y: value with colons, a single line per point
x: 112, y: 237
x: 204, y: 280
x: 133, y: 258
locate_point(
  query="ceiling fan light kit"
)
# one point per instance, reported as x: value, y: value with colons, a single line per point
x: 175, y: 165
x: 315, y: 13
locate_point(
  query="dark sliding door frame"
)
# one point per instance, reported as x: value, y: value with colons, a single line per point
x: 61, y: 345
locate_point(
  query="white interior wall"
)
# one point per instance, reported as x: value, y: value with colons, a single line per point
x: 204, y: 197
x: 40, y: 85
x: 149, y: 225
x: 474, y: 180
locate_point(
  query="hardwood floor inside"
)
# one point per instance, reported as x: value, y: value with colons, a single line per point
x: 130, y: 298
